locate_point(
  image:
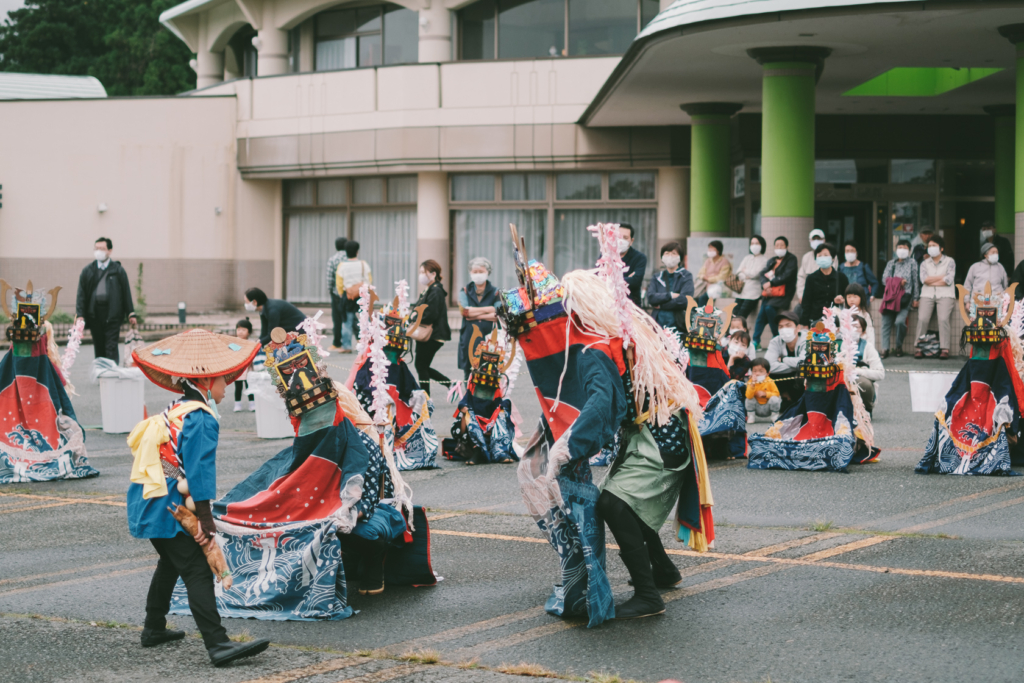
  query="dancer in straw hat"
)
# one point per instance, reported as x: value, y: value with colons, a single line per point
x: 174, y: 478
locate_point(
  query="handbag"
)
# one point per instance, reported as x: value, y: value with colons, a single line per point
x: 775, y: 292
x: 734, y: 283
x: 421, y: 333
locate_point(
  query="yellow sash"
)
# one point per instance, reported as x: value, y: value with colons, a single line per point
x: 145, y: 441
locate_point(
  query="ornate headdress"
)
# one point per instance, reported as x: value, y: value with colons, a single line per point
x: 538, y: 297
x: 705, y: 324
x: 490, y: 360
x: 397, y: 327
x: 981, y: 314
x: 822, y: 349
x: 27, y: 318
x: 298, y: 372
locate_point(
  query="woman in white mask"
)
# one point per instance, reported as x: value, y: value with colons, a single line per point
x: 902, y: 282
x: 667, y: 291
x: 476, y: 304
x: 937, y: 294
x: 715, y: 270
x: 749, y: 274
x: 988, y: 269
x: 436, y: 316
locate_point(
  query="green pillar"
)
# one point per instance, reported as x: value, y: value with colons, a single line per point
x: 710, y: 167
x: 1015, y: 34
x: 1005, y: 123
x: 787, y: 141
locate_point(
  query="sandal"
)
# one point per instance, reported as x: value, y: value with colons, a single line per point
x: 919, y: 354
x: 944, y: 354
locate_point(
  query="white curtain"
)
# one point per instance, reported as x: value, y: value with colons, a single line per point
x: 368, y: 190
x: 402, y: 189
x: 486, y: 233
x: 336, y: 54
x: 472, y: 188
x: 575, y: 247
x: 310, y: 244
x: 387, y: 242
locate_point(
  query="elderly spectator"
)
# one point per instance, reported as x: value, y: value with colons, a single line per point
x: 667, y: 291
x: 749, y: 273
x: 778, y: 282
x: 808, y: 266
x: 857, y: 271
x: 858, y: 302
x: 988, y: 269
x: 825, y: 286
x: 273, y: 313
x: 337, y: 303
x: 476, y: 304
x: 351, y: 273
x: 902, y: 291
x: 636, y: 262
x: 715, y: 270
x: 937, y: 294
x: 870, y: 370
x: 784, y: 354
x: 989, y: 234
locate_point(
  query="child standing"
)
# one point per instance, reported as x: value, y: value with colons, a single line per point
x: 762, y: 395
x: 243, y: 328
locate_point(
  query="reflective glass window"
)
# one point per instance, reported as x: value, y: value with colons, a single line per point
x: 631, y: 186
x: 368, y: 191
x: 601, y: 27
x: 968, y: 178
x: 530, y: 28
x: 476, y: 30
x: 300, y: 193
x: 523, y: 187
x: 573, y: 186
x: 835, y: 171
x: 401, y: 36
x: 913, y: 171
x: 402, y: 189
x: 473, y: 188
x: 331, y: 192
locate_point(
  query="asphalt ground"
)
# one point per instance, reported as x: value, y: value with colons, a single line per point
x: 880, y: 574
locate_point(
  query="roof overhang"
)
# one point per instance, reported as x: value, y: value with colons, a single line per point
x: 183, y: 20
x: 696, y: 51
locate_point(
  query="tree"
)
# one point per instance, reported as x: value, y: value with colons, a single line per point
x: 120, y: 42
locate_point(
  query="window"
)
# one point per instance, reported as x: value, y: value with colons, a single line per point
x: 366, y: 36
x: 920, y: 171
x: 241, y: 57
x: 387, y: 241
x: 631, y: 186
x: 576, y: 248
x: 473, y: 188
x: 524, y: 29
x: 402, y: 190
x: 332, y: 192
x: 523, y: 187
x: 969, y: 178
x: 578, y: 186
x: 485, y: 233
x: 368, y: 191
x: 310, y: 243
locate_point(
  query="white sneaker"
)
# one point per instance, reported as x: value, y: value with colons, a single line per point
x: 238, y: 406
x: 750, y: 418
x: 252, y: 403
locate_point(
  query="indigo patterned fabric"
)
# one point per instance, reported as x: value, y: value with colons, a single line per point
x: 40, y: 438
x: 969, y: 433
x: 815, y: 434
x: 290, y: 574
x: 725, y: 416
x: 489, y: 430
x: 410, y: 434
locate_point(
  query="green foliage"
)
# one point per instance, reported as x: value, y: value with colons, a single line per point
x: 140, y: 298
x: 62, y: 318
x: 120, y: 42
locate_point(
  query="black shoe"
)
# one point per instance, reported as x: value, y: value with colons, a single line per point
x: 646, y: 601
x: 225, y: 653
x: 151, y: 638
x: 372, y: 582
x: 898, y: 353
x: 666, y: 576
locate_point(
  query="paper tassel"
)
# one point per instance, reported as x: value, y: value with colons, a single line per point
x: 364, y: 317
x: 513, y: 372
x: 846, y: 331
x: 311, y: 327
x: 74, y: 343
x: 378, y: 371
x: 402, y: 292
x: 612, y: 270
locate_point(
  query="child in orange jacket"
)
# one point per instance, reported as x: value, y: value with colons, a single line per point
x: 762, y: 395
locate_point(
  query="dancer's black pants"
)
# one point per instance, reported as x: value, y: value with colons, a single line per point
x: 182, y: 556
x: 630, y: 532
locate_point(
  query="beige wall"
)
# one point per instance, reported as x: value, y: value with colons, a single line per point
x: 162, y: 166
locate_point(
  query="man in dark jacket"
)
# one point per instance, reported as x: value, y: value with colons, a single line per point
x: 668, y: 290
x: 104, y: 300
x: 636, y: 262
x: 780, y: 271
x: 273, y: 313
x: 825, y: 286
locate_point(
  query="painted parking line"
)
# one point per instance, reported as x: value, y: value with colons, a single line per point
x: 938, y: 506
x: 72, y: 582
x: 73, y: 570
x: 318, y: 669
x: 962, y: 516
x: 66, y: 499
x: 11, y: 510
x: 794, y: 543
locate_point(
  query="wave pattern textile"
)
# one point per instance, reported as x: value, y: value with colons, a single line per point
x: 410, y: 434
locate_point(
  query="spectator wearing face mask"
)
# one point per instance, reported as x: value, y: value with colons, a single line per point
x: 825, y: 286
x: 476, y: 304
x: 435, y: 315
x: 715, y: 270
x: 902, y: 292
x: 937, y: 294
x: 778, y: 282
x: 989, y: 234
x: 749, y: 273
x: 736, y: 352
x: 859, y: 304
x: 785, y: 353
x: 636, y: 262
x: 989, y: 270
x: 808, y: 265
x: 870, y: 370
x: 667, y: 291
x: 273, y: 313
x: 919, y: 245
x: 737, y: 324
x: 857, y: 271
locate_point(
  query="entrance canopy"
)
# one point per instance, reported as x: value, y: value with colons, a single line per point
x: 886, y: 57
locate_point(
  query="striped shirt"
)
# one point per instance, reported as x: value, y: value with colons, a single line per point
x: 332, y: 268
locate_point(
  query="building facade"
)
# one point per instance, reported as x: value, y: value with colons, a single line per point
x: 423, y: 128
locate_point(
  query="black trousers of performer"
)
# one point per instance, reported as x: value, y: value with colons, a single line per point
x: 105, y: 334
x: 182, y: 556
x: 630, y: 532
x: 425, y: 352
x: 356, y: 550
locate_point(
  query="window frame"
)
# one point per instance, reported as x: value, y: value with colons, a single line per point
x: 382, y: 11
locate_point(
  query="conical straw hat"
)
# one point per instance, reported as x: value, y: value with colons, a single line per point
x: 195, y: 354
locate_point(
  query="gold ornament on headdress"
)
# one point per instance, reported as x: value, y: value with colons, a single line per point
x: 27, y: 319
x: 492, y: 347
